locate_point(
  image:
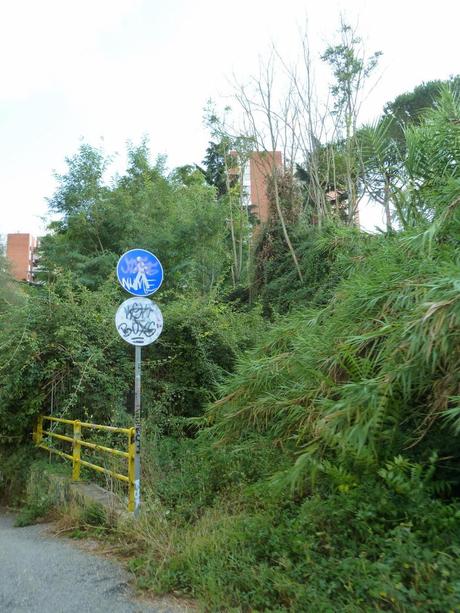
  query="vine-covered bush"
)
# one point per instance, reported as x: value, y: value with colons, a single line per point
x: 61, y: 354
x: 196, y: 351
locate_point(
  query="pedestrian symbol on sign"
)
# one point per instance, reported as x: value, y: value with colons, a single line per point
x: 141, y: 280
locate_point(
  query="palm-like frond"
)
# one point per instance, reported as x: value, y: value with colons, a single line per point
x: 368, y: 376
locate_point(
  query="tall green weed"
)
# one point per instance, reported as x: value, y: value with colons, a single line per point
x: 371, y: 374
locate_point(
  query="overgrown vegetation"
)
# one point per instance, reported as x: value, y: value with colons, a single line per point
x: 301, y: 407
x: 326, y: 476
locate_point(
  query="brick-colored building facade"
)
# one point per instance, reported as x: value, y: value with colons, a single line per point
x: 21, y: 252
x: 260, y: 170
x: 254, y: 176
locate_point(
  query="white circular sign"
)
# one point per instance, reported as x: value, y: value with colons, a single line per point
x: 139, y: 321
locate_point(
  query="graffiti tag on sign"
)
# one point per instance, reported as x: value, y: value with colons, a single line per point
x: 139, y: 321
x: 139, y: 272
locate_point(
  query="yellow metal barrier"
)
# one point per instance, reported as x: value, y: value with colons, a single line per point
x: 77, y: 443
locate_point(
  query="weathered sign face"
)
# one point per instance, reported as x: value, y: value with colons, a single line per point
x: 139, y: 321
x: 139, y: 272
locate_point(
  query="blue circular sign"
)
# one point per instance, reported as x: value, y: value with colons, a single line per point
x: 140, y: 272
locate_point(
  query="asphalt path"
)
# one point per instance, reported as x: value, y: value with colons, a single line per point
x: 40, y: 573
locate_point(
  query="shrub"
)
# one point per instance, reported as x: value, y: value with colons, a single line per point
x: 360, y: 380
x: 367, y: 549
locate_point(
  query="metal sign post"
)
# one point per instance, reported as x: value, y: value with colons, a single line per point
x: 139, y: 322
x: 137, y: 427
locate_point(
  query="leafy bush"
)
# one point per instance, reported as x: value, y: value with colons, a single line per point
x: 45, y: 492
x: 62, y: 354
x: 188, y: 475
x: 198, y: 348
x: 15, y: 466
x: 366, y: 549
x: 326, y: 257
x: 372, y: 373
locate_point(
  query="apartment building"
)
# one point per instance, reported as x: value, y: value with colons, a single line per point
x: 254, y: 175
x: 21, y: 251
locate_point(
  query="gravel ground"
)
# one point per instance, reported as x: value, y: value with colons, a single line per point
x: 40, y: 573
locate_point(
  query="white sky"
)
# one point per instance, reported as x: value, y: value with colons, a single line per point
x: 118, y: 69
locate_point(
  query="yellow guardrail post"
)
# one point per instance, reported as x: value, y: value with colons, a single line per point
x: 76, y: 451
x: 131, y: 471
x: 39, y: 431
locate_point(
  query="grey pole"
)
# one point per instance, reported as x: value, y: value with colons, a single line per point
x: 137, y: 426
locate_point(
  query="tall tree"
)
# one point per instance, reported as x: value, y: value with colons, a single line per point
x: 11, y: 294
x: 432, y: 162
x: 351, y: 69
x: 382, y: 165
x: 408, y: 109
x: 225, y: 161
x: 179, y: 220
x: 270, y: 123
